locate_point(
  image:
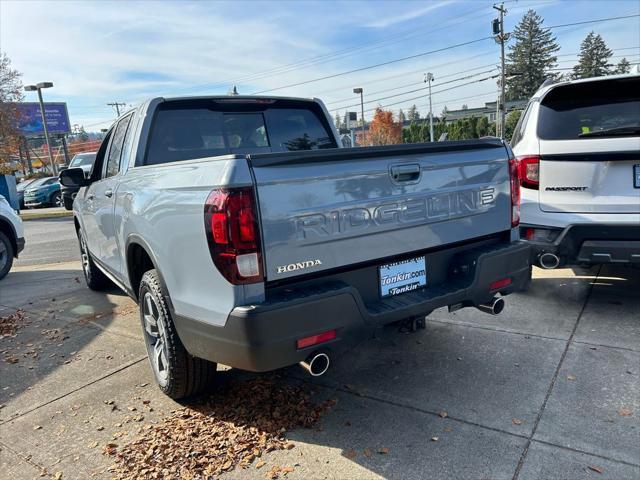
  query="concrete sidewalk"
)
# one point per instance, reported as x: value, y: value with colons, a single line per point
x: 49, y: 212
x: 549, y: 389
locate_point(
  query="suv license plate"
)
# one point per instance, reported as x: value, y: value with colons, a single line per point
x: 402, y: 277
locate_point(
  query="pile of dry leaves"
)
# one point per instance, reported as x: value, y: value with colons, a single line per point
x: 9, y: 325
x: 231, y: 429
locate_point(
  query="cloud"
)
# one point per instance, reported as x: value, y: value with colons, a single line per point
x: 411, y: 15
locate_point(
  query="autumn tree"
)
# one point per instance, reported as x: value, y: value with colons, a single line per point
x: 10, y: 92
x: 530, y: 57
x: 593, y: 60
x: 383, y: 129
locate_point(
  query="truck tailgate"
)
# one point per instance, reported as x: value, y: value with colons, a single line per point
x: 323, y: 210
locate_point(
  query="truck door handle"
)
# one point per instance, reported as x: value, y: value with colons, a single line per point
x: 108, y: 193
x: 405, y: 173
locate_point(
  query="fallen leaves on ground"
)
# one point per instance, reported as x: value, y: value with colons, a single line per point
x: 625, y: 412
x: 10, y: 324
x: 231, y: 429
x: 571, y: 377
x: 383, y: 451
x: 595, y: 468
x: 443, y: 414
x: 516, y: 421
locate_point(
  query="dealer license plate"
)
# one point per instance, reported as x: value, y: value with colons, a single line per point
x: 402, y: 277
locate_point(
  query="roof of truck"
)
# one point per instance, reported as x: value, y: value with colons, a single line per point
x: 544, y: 89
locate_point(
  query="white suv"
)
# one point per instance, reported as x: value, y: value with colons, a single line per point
x: 11, y: 236
x: 578, y: 150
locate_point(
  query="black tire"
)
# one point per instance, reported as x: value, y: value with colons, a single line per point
x: 96, y: 280
x: 178, y: 374
x: 56, y: 199
x: 68, y: 202
x: 6, y: 255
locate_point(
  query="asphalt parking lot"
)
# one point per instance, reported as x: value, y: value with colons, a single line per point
x: 549, y: 389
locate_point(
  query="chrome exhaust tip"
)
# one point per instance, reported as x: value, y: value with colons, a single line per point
x: 316, y: 364
x: 494, y: 307
x: 548, y: 261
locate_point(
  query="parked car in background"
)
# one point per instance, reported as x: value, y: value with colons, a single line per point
x: 20, y: 188
x: 578, y: 150
x: 85, y: 162
x: 44, y: 192
x: 11, y: 236
x: 250, y: 239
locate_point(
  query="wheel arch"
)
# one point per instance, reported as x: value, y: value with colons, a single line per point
x: 7, y: 228
x: 139, y: 259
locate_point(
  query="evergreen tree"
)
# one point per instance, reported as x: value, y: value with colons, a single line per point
x: 338, y: 121
x: 413, y: 115
x: 530, y: 58
x: 401, y: 117
x: 593, y: 58
x: 623, y: 66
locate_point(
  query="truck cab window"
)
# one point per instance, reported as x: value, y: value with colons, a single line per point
x: 115, y: 150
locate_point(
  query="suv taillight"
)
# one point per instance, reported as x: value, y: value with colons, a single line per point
x: 233, y: 234
x: 529, y: 171
x: 515, y: 192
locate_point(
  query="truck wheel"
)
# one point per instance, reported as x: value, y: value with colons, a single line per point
x: 96, y: 280
x: 68, y: 202
x: 177, y: 373
x: 6, y: 255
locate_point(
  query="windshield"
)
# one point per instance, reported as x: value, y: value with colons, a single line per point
x: 41, y: 181
x: 185, y: 130
x: 591, y: 110
x: 21, y: 186
x: 83, y: 159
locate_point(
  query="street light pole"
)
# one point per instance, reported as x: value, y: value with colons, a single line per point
x: 361, y: 92
x: 39, y: 87
x: 429, y: 78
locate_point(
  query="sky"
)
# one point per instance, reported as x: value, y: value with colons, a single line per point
x: 127, y: 51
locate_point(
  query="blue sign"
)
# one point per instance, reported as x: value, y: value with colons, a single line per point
x: 30, y: 119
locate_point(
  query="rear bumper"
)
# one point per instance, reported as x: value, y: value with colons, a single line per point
x: 263, y: 337
x: 591, y: 244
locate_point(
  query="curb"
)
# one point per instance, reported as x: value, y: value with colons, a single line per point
x: 39, y: 216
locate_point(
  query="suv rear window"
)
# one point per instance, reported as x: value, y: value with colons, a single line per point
x: 191, y: 129
x: 603, y: 108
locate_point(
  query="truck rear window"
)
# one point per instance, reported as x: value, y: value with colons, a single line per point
x: 191, y: 129
x: 604, y: 108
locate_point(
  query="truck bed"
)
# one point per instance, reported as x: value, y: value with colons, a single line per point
x: 323, y: 210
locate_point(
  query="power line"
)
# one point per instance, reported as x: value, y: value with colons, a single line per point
x: 326, y: 77
x: 117, y: 106
x: 402, y: 59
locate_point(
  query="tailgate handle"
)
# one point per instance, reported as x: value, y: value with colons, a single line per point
x: 405, y: 173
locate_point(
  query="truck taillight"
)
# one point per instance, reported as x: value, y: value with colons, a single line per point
x: 529, y: 171
x: 233, y: 235
x: 515, y: 192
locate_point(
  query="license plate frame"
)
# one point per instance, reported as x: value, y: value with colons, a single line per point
x: 636, y: 175
x: 402, y: 276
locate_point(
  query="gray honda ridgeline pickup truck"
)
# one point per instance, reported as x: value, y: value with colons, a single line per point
x: 249, y: 238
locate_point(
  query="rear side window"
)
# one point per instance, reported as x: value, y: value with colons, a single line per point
x: 186, y: 130
x: 115, y: 151
x: 605, y: 108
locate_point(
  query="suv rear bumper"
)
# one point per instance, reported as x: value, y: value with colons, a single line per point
x: 590, y: 244
x: 263, y: 337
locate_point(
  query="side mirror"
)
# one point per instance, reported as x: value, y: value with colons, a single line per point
x: 73, y: 178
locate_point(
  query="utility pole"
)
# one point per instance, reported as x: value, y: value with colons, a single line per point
x: 428, y: 77
x: 117, y: 106
x: 501, y: 38
x: 361, y: 92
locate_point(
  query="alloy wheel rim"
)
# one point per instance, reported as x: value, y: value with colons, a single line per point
x: 155, y: 332
x: 85, y: 259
